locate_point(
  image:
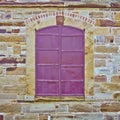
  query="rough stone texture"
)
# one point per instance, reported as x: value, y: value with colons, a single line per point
x: 100, y: 78
x: 10, y: 108
x: 110, y: 107
x: 102, y: 61
x: 16, y: 71
x: 13, y: 38
x: 109, y: 87
x: 115, y: 79
x: 91, y: 116
x: 106, y: 49
x: 20, y: 89
x: 29, y: 116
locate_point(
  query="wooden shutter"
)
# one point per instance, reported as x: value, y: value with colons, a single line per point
x: 59, y: 61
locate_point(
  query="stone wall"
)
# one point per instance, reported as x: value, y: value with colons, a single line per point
x: 102, y: 66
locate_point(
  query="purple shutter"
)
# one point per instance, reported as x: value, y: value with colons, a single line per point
x: 59, y: 61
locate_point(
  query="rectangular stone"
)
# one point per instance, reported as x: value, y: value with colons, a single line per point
x: 116, y: 31
x: 8, y: 96
x: 110, y: 107
x: 101, y: 31
x: 100, y: 78
x: 115, y: 79
x: 3, y: 46
x: 38, y: 107
x: 106, y: 49
x: 110, y: 87
x: 15, y: 30
x: 96, y: 14
x: 81, y: 107
x: 16, y: 71
x: 27, y: 116
x: 21, y: 89
x: 100, y: 63
x: 92, y: 116
x: 12, y: 23
x: 9, y: 80
x: 102, y: 55
x: 61, y: 108
x: 117, y: 39
x: 117, y: 15
x: 8, y: 117
x: 12, y: 38
x: 10, y: 108
x: 43, y: 117
x: 109, y: 117
x: 11, y: 60
x: 17, y: 49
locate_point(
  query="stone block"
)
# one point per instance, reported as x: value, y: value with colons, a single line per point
x: 100, y: 78
x: 13, y: 23
x: 117, y: 15
x: 110, y: 107
x: 16, y: 71
x: 10, y: 108
x: 20, y: 89
x: 100, y: 63
x: 115, y: 79
x: 82, y: 107
x: 117, y: 40
x: 61, y: 108
x: 96, y: 14
x: 62, y: 117
x: 109, y: 87
x: 27, y: 116
x: 108, y: 117
x: 106, y: 49
x: 41, y: 107
x: 102, y: 56
x: 17, y: 49
x: 3, y: 46
x: 9, y: 80
x: 11, y: 60
x: 1, y: 70
x: 101, y: 31
x: 116, y: 31
x: 8, y: 117
x: 92, y: 116
x: 15, y: 30
x: 8, y: 96
x: 43, y: 117
x: 14, y: 38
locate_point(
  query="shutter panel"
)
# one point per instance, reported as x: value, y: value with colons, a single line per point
x: 60, y: 61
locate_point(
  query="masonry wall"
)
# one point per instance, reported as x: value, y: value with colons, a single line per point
x: 102, y: 54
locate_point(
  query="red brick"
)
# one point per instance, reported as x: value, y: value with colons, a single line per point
x: 60, y: 20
